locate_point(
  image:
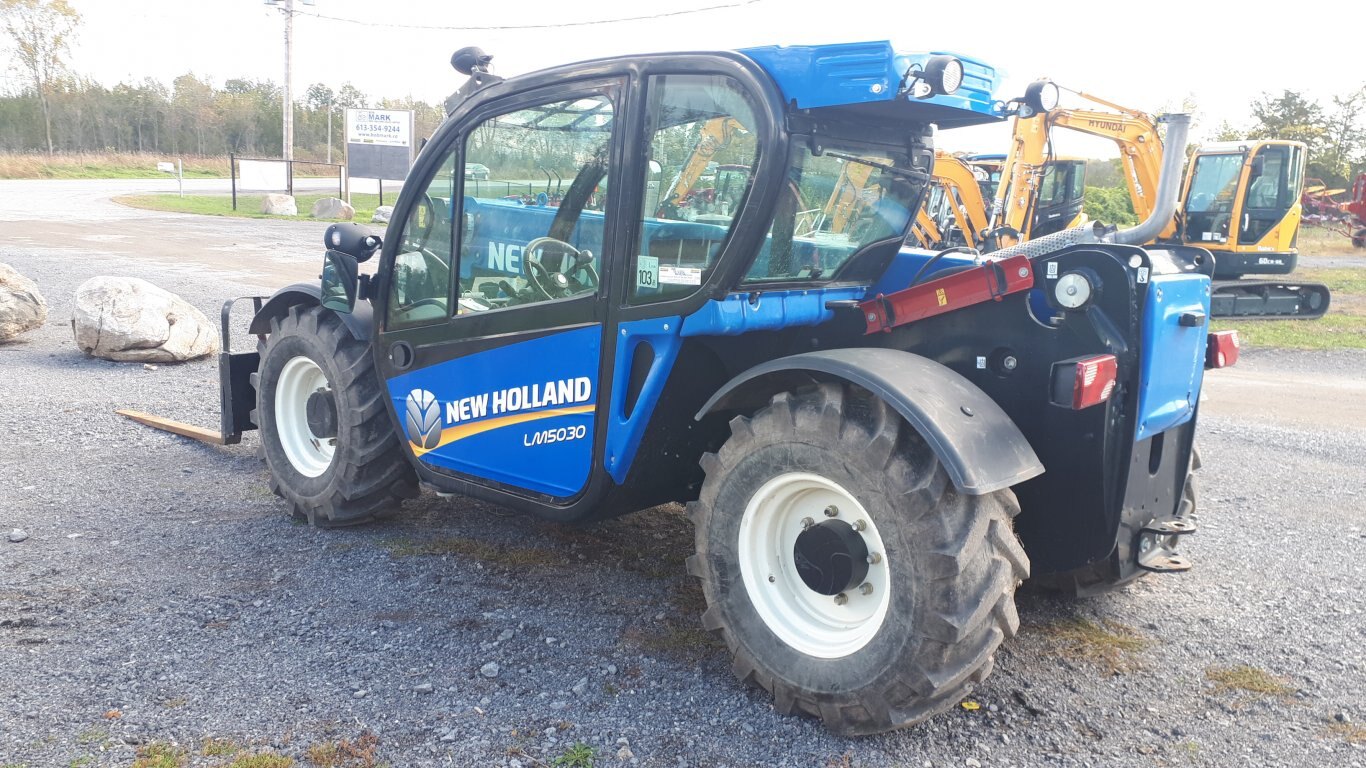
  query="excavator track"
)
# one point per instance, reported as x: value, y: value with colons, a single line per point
x: 1269, y: 299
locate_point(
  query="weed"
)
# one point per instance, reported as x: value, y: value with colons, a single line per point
x: 262, y: 760
x: 1108, y: 644
x: 82, y: 761
x: 1243, y: 677
x: 160, y: 754
x: 219, y: 748
x: 578, y: 756
x: 1352, y: 733
x: 488, y: 552
x: 344, y: 753
x: 92, y: 736
x: 174, y: 703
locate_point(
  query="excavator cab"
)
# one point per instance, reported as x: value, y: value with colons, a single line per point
x: 1242, y: 201
x: 1062, y: 193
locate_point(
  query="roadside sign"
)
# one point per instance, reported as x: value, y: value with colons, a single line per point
x: 379, y: 143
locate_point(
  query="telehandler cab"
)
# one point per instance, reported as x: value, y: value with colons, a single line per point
x: 874, y: 443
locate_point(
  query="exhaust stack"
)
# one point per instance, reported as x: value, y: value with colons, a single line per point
x: 1168, y: 184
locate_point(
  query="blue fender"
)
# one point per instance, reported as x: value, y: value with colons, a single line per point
x: 360, y: 321
x: 980, y: 447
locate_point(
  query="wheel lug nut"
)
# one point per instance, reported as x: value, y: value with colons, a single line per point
x: 866, y: 588
x: 859, y: 525
x: 841, y: 599
x: 832, y: 511
x: 807, y: 523
x: 874, y: 558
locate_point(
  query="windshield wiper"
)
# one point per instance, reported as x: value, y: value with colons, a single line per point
x: 905, y: 173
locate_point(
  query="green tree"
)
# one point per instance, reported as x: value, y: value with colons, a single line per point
x: 41, y: 31
x: 1346, y: 136
x: 1290, y: 116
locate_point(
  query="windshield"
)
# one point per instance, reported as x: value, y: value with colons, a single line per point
x: 1214, y: 182
x: 834, y: 205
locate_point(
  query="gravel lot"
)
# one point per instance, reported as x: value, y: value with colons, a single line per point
x: 162, y: 597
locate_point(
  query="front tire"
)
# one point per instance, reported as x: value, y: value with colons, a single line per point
x: 869, y: 650
x: 326, y: 439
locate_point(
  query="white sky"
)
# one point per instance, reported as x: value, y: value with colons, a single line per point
x: 1149, y: 55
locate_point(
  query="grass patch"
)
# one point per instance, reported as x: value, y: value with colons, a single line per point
x: 1333, y: 331
x: 106, y: 165
x: 344, y: 753
x: 92, y: 736
x: 1110, y: 644
x: 578, y: 756
x: 249, y: 206
x: 488, y: 552
x: 160, y: 754
x: 1243, y: 677
x: 262, y: 760
x: 1352, y: 733
x: 219, y: 748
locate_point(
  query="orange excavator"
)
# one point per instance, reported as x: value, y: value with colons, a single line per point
x: 1240, y: 200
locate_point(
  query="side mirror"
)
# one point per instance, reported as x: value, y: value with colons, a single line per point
x: 340, y: 280
x: 352, y: 240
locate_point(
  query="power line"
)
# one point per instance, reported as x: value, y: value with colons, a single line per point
x: 491, y: 27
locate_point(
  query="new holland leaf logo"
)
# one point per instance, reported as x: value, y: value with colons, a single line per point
x: 423, y: 419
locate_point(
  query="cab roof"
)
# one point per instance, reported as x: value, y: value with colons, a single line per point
x: 869, y: 76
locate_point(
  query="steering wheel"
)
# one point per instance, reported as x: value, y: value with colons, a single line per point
x: 555, y: 284
x: 423, y: 218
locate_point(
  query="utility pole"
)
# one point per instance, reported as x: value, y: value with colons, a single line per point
x: 289, y: 80
x: 287, y: 6
x: 329, y: 131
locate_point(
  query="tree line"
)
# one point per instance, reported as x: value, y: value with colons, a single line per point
x: 191, y: 117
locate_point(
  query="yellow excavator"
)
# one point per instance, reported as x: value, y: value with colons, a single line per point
x: 1240, y: 200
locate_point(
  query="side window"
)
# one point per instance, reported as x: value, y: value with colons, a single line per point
x: 1078, y: 182
x: 701, y: 154
x: 1048, y: 187
x: 534, y: 207
x: 420, y: 281
x: 833, y: 205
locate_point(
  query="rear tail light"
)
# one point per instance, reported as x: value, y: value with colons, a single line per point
x: 1083, y: 382
x: 1222, y: 349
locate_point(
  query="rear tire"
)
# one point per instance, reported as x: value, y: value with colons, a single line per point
x: 331, y: 481
x: 942, y: 590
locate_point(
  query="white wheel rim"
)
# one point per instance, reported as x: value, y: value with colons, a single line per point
x: 808, y: 621
x: 309, y: 454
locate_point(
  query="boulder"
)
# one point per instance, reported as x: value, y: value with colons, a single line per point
x: 383, y: 214
x: 279, y: 205
x: 22, y: 307
x: 333, y: 208
x: 127, y: 319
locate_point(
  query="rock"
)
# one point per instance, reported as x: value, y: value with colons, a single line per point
x: 279, y: 205
x: 127, y: 319
x: 625, y: 754
x: 423, y: 688
x: 383, y: 214
x: 972, y: 762
x: 489, y: 670
x: 333, y: 208
x: 359, y: 694
x: 17, y: 535
x: 505, y: 636
x: 1341, y: 717
x: 581, y: 687
x: 22, y: 307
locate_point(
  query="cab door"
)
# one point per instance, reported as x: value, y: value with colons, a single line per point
x: 1274, y: 180
x: 491, y: 309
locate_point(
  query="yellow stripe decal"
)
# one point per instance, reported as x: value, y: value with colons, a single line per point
x: 462, y: 431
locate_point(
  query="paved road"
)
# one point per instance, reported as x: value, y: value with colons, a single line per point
x: 162, y: 596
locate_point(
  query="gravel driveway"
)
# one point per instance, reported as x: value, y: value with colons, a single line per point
x: 164, y: 604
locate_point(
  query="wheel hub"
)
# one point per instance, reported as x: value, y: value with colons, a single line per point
x: 321, y: 410
x: 831, y: 557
